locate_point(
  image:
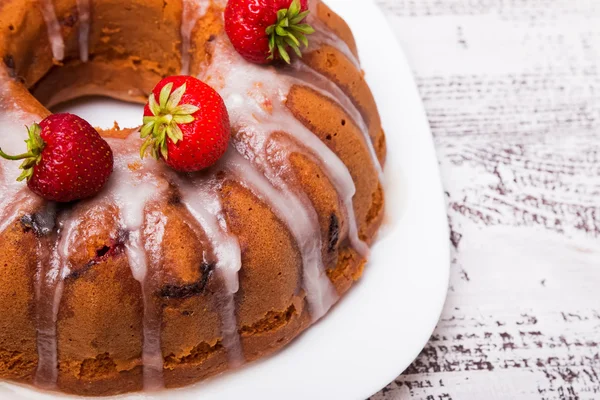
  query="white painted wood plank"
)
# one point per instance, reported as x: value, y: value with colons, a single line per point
x: 512, y: 92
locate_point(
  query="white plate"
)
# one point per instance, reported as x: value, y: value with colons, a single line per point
x: 378, y: 329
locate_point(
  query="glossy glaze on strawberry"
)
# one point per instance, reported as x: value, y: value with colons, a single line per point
x: 263, y: 31
x: 186, y: 124
x: 66, y: 159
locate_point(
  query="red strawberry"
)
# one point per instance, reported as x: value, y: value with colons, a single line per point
x: 66, y: 159
x: 186, y: 123
x: 264, y: 30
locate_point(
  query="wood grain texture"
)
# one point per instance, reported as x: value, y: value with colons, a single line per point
x: 512, y: 92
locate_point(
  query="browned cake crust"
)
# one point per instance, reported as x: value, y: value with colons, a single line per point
x: 133, y: 44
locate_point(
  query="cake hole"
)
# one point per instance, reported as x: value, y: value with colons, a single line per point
x: 41, y: 224
x: 174, y: 198
x: 343, y: 122
x: 11, y: 28
x: 103, y: 112
x: 331, y: 60
x: 221, y: 175
x: 191, y: 290
x: 328, y: 137
x: 9, y: 61
x: 69, y: 21
x: 102, y: 252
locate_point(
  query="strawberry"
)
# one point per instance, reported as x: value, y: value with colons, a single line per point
x: 264, y: 30
x: 185, y: 123
x: 66, y: 159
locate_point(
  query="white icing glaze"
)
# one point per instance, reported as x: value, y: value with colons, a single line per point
x: 200, y: 196
x: 49, y: 290
x: 14, y: 196
x: 54, y: 31
x: 255, y: 98
x: 152, y: 357
x: 14, y: 202
x: 83, y: 8
x: 132, y: 186
x: 193, y: 10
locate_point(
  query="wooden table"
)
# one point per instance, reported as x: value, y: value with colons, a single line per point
x: 512, y: 92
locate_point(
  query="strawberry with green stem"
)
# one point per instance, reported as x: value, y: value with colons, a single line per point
x: 186, y: 124
x: 265, y: 30
x: 66, y: 159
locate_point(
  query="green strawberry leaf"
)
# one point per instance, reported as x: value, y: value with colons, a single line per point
x: 165, y: 93
x: 288, y: 32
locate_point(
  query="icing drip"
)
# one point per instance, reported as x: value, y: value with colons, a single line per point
x: 54, y: 30
x: 291, y: 209
x: 132, y: 187
x: 50, y: 287
x: 52, y: 270
x: 200, y: 196
x: 83, y: 8
x: 193, y: 10
x: 152, y: 357
x: 311, y: 78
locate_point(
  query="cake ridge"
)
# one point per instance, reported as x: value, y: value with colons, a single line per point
x: 200, y: 197
x: 324, y: 35
x: 300, y: 218
x: 315, y: 80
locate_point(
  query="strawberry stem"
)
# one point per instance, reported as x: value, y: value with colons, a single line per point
x: 16, y: 158
x: 289, y: 32
x: 35, y: 146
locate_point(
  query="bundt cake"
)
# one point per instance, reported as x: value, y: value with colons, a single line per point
x: 164, y: 278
